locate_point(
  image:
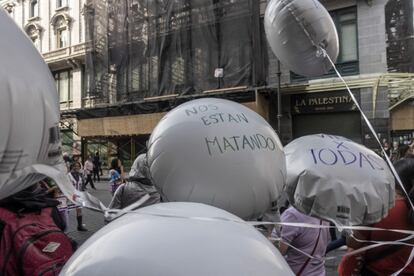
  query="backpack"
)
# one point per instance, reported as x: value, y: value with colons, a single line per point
x: 32, y: 244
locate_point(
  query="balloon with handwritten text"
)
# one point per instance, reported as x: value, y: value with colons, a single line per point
x: 217, y: 152
x: 334, y: 178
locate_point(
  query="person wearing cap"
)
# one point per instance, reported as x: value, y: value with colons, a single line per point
x: 138, y: 185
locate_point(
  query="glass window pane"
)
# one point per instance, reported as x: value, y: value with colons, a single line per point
x: 70, y: 86
x: 347, y: 16
x: 34, y: 8
x: 135, y: 79
x: 348, y: 43
x: 63, y: 87
x: 62, y: 38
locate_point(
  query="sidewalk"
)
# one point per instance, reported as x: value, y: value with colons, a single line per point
x: 92, y: 220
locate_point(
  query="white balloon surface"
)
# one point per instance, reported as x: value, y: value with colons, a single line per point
x: 29, y: 115
x: 295, y: 29
x: 177, y: 239
x: 217, y: 152
x: 337, y: 179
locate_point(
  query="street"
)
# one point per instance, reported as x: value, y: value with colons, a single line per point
x: 94, y: 221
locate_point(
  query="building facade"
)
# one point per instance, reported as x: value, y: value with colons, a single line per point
x: 120, y: 66
x: 367, y: 62
x: 57, y: 29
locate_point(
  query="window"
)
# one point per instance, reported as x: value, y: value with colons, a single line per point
x: 61, y: 36
x: 63, y: 82
x: 33, y: 31
x: 61, y: 33
x: 178, y: 71
x: 34, y: 8
x: 347, y: 62
x: 346, y: 24
x: 62, y: 3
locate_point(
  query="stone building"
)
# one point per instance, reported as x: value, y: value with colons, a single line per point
x: 112, y: 94
x: 57, y: 29
x: 323, y: 104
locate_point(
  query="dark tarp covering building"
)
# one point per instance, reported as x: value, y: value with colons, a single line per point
x: 400, y: 36
x: 150, y: 48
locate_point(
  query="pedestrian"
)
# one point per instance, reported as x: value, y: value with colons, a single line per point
x: 77, y: 181
x: 31, y: 234
x: 387, y: 259
x: 115, y: 180
x: 387, y: 150
x: 88, y: 170
x: 96, y: 167
x: 67, y: 160
x: 298, y: 243
x: 395, y: 152
x: 137, y: 186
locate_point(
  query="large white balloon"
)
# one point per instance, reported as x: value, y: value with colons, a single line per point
x: 177, y: 239
x: 29, y: 115
x: 295, y: 29
x: 220, y: 153
x: 337, y: 179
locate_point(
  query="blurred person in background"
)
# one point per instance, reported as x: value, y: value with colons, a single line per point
x: 88, y: 170
x: 137, y: 186
x: 76, y: 178
x: 96, y: 167
x: 387, y: 259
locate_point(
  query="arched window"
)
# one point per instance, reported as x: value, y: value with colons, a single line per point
x: 34, y: 8
x: 33, y: 31
x: 61, y: 28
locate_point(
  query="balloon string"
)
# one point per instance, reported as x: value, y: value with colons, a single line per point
x: 410, y: 258
x: 374, y: 244
x: 313, y: 226
x: 370, y: 127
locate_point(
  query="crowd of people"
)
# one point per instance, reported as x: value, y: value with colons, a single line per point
x: 304, y: 248
x: 31, y: 215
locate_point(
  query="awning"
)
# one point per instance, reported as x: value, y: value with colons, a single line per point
x: 402, y: 117
x: 140, y: 124
x: 119, y: 126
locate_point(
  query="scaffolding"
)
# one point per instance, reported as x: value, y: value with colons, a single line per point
x: 153, y: 48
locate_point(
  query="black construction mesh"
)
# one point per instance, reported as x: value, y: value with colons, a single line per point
x: 400, y: 35
x: 147, y: 48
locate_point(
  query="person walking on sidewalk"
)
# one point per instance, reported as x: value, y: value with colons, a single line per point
x: 88, y: 170
x: 76, y: 178
x: 96, y: 167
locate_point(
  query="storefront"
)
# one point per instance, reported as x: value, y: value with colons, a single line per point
x: 125, y: 137
x: 326, y: 112
x: 402, y: 122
